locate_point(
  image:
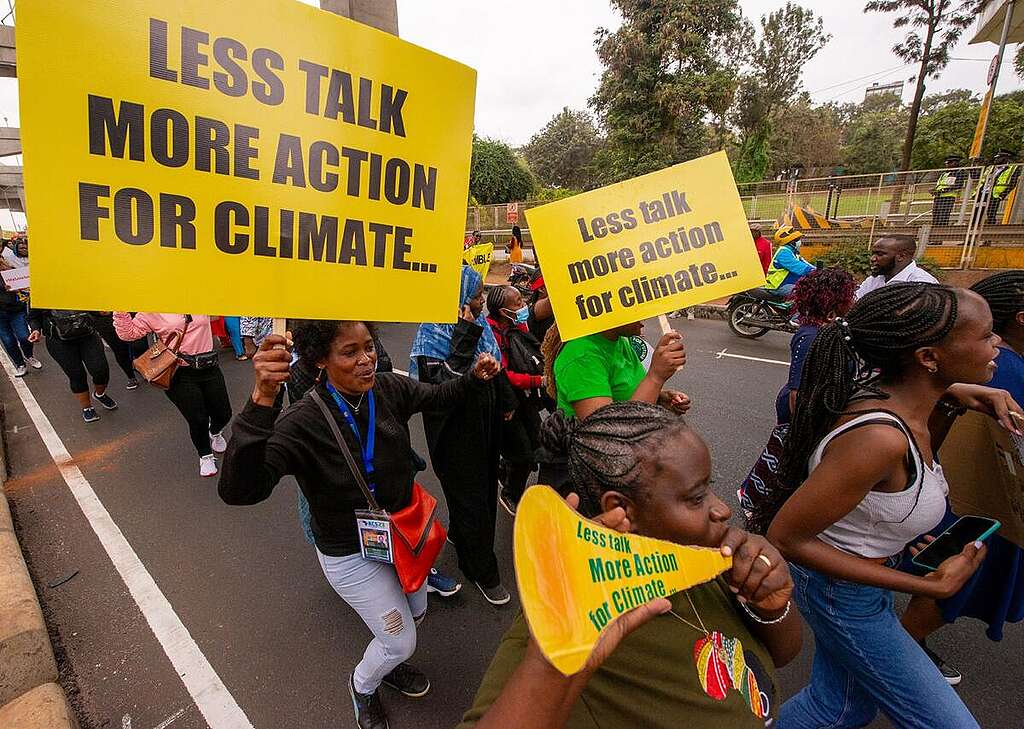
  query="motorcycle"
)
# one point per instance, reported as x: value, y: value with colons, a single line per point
x: 753, y: 313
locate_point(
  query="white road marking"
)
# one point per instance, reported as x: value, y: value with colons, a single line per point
x: 170, y: 720
x: 126, y: 722
x: 725, y: 353
x: 209, y: 693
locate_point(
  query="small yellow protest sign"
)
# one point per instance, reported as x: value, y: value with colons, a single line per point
x: 575, y: 576
x: 644, y: 247
x: 258, y: 157
x: 478, y: 258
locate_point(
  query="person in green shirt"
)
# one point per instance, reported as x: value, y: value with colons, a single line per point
x: 599, y: 369
x: 704, y: 658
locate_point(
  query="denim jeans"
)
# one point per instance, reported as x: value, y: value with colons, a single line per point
x: 373, y: 591
x: 864, y: 661
x: 14, y: 336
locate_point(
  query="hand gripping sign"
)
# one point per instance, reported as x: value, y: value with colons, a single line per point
x: 645, y: 247
x: 258, y: 157
x: 575, y: 577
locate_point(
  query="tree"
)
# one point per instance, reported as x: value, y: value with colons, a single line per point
x: 936, y: 26
x: 561, y: 154
x: 790, y: 37
x: 665, y: 71
x: 497, y: 175
x: 933, y: 102
x: 873, y: 140
x: 950, y: 130
x: 806, y: 135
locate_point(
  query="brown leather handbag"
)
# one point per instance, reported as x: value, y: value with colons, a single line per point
x: 160, y: 362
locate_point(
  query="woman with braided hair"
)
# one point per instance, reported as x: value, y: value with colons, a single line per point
x: 995, y: 594
x: 639, y: 468
x: 879, y: 392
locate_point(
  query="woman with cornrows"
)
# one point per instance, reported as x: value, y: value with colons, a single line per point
x: 878, y: 391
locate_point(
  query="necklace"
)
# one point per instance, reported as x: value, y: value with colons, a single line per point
x: 355, y: 408
x: 702, y: 629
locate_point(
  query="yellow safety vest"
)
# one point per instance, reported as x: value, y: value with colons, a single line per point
x: 946, y: 186
x: 776, y: 276
x: 1001, y: 188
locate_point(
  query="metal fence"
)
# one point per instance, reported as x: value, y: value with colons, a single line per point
x: 969, y: 228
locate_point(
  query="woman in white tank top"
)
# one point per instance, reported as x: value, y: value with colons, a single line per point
x: 879, y: 392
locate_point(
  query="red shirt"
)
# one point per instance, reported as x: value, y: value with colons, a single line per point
x: 519, y: 380
x: 764, y: 252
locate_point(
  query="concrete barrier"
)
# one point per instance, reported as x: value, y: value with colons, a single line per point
x: 44, y: 707
x: 26, y: 657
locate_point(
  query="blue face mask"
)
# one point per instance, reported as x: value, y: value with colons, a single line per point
x: 520, y: 316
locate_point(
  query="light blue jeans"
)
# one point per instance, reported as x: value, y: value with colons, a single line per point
x: 372, y: 590
x: 864, y: 661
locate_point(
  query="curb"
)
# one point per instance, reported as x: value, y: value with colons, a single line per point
x: 709, y: 311
x: 44, y: 707
x: 26, y: 657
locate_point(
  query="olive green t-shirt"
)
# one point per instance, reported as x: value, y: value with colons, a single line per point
x: 651, y: 680
x: 595, y: 366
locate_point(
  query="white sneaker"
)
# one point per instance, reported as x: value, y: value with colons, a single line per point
x: 34, y: 363
x: 208, y: 466
x: 19, y: 371
x: 218, y: 443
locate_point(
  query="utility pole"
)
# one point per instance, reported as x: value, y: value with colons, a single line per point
x: 382, y: 14
x: 986, y: 107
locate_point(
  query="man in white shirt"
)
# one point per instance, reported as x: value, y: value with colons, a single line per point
x: 892, y: 259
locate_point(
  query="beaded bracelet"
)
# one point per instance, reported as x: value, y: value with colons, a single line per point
x: 758, y: 619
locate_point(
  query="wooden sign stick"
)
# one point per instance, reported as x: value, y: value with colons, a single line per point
x: 665, y: 326
x: 280, y: 329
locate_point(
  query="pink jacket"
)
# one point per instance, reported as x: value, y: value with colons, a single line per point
x: 198, y: 337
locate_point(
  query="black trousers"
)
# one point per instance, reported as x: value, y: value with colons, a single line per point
x: 519, y: 441
x: 942, y: 210
x: 202, y: 398
x: 78, y: 355
x: 993, y: 211
x: 464, y: 453
x: 124, y: 352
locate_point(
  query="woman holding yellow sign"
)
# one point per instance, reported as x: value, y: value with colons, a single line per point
x: 705, y: 657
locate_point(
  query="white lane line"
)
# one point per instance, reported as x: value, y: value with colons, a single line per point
x: 209, y: 693
x: 725, y: 353
x: 170, y: 720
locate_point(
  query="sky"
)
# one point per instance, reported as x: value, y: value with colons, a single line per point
x: 534, y: 57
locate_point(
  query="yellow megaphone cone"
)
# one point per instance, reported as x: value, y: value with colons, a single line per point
x: 575, y: 576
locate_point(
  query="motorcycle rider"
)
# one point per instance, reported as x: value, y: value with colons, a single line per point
x: 787, y: 265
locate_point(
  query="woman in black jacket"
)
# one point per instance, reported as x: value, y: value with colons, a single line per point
x: 264, y: 448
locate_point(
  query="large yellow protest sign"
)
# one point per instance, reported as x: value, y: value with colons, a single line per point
x: 575, y: 576
x: 257, y: 157
x: 645, y: 247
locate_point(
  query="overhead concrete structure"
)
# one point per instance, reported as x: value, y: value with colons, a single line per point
x: 990, y: 24
x: 10, y: 141
x: 7, y: 64
x: 382, y: 14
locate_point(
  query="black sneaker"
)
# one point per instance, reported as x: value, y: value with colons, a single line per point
x: 90, y: 415
x: 408, y: 681
x: 496, y: 595
x: 106, y: 401
x: 952, y: 676
x: 133, y: 384
x: 368, y: 708
x: 507, y: 502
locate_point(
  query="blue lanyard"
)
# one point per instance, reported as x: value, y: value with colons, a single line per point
x: 368, y: 447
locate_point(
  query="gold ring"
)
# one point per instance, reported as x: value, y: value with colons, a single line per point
x: 765, y: 560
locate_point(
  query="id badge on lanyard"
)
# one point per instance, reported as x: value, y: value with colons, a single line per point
x: 374, y: 526
x: 375, y: 536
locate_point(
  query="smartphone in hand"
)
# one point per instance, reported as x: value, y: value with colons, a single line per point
x: 951, y: 542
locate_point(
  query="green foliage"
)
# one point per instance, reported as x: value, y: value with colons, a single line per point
x: 790, y: 37
x: 950, y: 130
x: 562, y: 153
x: 855, y: 257
x: 874, y: 140
x: 551, y: 194
x: 497, y: 175
x: 805, y: 135
x: 670, y: 65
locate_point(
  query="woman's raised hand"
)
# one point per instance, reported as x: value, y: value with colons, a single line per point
x: 272, y: 363
x: 486, y: 367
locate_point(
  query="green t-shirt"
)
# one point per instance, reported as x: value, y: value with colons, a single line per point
x: 651, y: 680
x: 595, y: 366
